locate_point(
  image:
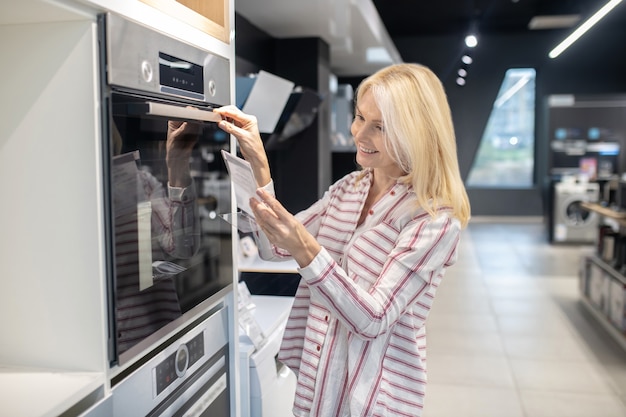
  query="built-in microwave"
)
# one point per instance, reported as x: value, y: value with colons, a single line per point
x: 169, y: 255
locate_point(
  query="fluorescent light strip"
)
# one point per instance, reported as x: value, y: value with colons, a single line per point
x: 583, y: 28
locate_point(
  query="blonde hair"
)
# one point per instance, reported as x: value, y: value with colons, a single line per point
x: 420, y: 135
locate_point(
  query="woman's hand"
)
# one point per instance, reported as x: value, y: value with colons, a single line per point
x: 283, y: 229
x: 245, y: 128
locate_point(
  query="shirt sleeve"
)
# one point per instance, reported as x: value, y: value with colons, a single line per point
x: 175, y: 221
x: 423, y: 250
x: 310, y: 218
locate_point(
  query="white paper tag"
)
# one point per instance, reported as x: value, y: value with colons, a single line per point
x: 241, y: 175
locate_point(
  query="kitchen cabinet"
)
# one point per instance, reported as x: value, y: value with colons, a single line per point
x: 52, y: 302
x: 209, y: 16
x: 53, y: 298
x: 602, y: 279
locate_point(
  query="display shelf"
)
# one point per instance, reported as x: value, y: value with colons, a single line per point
x: 608, y: 268
x: 617, y: 220
x: 256, y: 264
x: 38, y: 393
x: 613, y: 332
x: 606, y: 212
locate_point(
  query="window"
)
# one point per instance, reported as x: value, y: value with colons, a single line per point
x: 505, y: 158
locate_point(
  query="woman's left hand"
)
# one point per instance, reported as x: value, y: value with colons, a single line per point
x: 283, y: 229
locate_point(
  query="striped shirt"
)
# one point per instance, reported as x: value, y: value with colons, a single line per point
x: 355, y: 335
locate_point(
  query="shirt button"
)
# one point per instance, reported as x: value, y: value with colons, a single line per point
x: 319, y: 348
x: 393, y: 192
x: 371, y: 212
x: 326, y: 318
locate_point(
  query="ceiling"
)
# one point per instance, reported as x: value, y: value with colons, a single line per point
x: 414, y: 18
x: 351, y: 27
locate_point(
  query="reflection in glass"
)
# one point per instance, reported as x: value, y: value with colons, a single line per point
x: 171, y: 250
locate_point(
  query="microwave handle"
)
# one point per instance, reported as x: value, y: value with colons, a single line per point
x: 178, y: 112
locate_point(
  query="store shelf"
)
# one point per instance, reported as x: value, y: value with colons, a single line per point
x: 599, y: 316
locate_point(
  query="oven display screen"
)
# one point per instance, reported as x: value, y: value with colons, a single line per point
x: 180, y: 74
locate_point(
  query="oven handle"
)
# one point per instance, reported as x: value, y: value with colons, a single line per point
x: 178, y: 112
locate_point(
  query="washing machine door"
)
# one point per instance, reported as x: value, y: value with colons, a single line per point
x: 575, y: 215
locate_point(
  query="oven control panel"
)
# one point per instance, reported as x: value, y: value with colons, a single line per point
x: 197, y: 360
x: 143, y: 59
x: 175, y: 366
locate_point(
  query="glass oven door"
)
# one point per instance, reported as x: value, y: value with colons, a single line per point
x: 171, y: 254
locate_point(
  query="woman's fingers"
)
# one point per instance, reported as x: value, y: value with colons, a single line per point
x: 228, y: 111
x: 236, y: 116
x: 271, y: 202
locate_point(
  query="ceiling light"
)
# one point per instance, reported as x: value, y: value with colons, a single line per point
x: 553, y: 22
x: 466, y: 59
x: 377, y: 55
x: 471, y: 40
x: 583, y: 28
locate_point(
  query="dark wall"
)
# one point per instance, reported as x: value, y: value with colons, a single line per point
x: 595, y: 65
x: 301, y: 165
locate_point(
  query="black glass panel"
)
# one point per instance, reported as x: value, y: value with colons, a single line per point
x: 171, y: 250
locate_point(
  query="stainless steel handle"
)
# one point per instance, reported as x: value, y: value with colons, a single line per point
x: 177, y: 112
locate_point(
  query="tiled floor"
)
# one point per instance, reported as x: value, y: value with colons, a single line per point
x: 507, y: 336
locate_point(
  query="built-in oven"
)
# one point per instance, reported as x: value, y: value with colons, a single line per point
x: 169, y: 255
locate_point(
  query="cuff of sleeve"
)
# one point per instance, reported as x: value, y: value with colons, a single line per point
x: 269, y: 188
x: 181, y: 194
x: 313, y: 271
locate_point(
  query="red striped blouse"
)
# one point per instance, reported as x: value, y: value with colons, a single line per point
x: 355, y: 335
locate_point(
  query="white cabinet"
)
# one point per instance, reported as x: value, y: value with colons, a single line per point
x: 53, y: 301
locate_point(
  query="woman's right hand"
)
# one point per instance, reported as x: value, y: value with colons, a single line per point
x: 245, y: 128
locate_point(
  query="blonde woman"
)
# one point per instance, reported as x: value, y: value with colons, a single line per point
x: 371, y: 252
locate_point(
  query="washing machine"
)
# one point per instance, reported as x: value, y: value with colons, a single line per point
x: 572, y: 222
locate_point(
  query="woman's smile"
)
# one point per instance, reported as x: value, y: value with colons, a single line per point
x: 367, y: 150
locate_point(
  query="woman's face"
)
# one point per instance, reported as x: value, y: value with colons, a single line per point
x: 369, y: 136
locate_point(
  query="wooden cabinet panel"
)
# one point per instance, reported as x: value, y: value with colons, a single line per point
x: 209, y: 16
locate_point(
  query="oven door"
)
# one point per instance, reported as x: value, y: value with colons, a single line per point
x: 170, y: 253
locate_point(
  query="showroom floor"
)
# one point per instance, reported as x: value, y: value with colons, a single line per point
x: 507, y: 336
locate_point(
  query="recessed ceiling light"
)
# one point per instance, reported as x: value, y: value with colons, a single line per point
x: 553, y: 22
x: 466, y: 59
x: 471, y: 41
